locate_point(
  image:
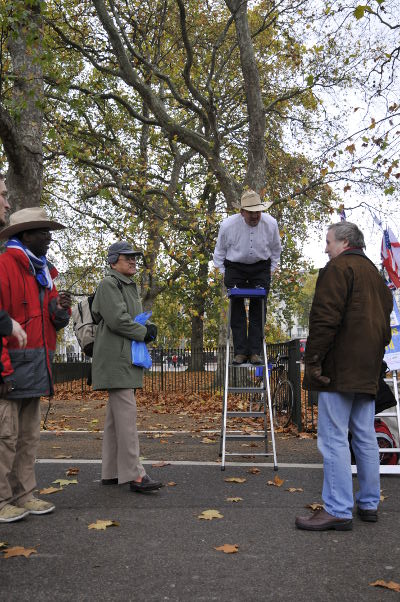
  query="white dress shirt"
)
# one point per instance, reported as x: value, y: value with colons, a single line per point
x: 246, y: 244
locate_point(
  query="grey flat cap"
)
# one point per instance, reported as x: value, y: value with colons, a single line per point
x: 121, y: 247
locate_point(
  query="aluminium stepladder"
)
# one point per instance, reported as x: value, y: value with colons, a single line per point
x: 263, y: 392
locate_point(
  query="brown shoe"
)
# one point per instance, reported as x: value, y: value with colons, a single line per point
x: 239, y: 359
x: 255, y: 359
x: 321, y: 520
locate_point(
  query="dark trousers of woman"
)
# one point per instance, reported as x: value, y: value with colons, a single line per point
x: 245, y: 275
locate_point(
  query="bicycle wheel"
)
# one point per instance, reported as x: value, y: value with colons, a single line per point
x: 282, y: 404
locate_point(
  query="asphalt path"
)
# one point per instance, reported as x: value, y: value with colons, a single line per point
x: 161, y: 550
x: 191, y: 445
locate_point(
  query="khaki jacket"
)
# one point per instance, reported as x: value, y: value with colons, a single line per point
x: 114, y: 310
x: 349, y: 324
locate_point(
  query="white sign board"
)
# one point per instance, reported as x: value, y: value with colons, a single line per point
x: 392, y: 351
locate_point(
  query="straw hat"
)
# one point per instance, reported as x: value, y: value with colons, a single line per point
x: 251, y: 201
x: 30, y: 218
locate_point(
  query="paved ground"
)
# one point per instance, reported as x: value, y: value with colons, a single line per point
x: 162, y: 551
x: 187, y: 445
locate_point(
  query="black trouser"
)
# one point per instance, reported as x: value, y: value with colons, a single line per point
x: 244, y: 275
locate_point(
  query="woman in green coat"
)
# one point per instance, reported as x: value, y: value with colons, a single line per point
x: 115, y: 306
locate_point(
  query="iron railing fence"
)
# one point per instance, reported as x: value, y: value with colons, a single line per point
x: 195, y: 371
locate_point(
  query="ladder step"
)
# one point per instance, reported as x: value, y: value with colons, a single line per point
x: 242, y: 414
x: 246, y: 365
x: 246, y: 437
x: 246, y: 389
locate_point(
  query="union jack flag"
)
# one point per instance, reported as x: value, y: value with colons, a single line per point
x: 390, y: 254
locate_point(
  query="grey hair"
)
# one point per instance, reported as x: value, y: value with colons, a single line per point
x: 350, y: 232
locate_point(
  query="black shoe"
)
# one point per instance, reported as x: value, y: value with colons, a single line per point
x: 367, y: 515
x: 146, y: 484
x: 239, y: 358
x: 109, y: 481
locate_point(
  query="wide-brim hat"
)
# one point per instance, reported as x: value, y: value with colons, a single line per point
x: 30, y: 218
x: 251, y: 201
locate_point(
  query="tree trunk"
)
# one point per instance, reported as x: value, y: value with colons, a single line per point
x: 21, y: 127
x: 197, y: 338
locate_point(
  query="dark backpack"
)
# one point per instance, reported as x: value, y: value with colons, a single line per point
x: 84, y: 324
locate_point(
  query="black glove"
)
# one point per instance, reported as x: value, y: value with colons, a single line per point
x: 151, y: 333
x: 313, y: 370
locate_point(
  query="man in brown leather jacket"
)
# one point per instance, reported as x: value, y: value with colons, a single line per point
x: 348, y: 331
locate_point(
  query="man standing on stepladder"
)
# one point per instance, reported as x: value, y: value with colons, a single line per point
x: 247, y: 253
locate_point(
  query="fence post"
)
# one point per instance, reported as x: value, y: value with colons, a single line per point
x: 162, y: 368
x: 295, y: 378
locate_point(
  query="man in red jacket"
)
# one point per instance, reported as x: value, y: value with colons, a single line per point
x: 29, y: 296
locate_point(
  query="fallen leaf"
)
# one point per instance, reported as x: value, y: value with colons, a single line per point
x: 314, y: 506
x: 65, y: 482
x: 161, y: 464
x: 171, y: 484
x: 72, y: 471
x: 228, y: 548
x: 207, y: 440
x: 3, y: 544
x: 254, y: 470
x: 103, y: 524
x: 164, y: 441
x: 18, y: 551
x: 56, y: 447
x: 234, y: 499
x: 49, y: 490
x: 210, y: 514
x: 60, y: 457
x: 234, y: 480
x: 387, y: 584
x: 305, y: 436
x: 294, y: 489
x: 277, y: 482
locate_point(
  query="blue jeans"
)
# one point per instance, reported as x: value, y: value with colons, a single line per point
x: 338, y: 413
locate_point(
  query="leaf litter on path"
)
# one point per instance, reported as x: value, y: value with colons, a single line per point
x: 101, y: 525
x: 277, y: 482
x: 228, y: 548
x: 210, y: 514
x: 18, y: 551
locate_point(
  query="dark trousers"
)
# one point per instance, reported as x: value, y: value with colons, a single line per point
x: 243, y: 275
